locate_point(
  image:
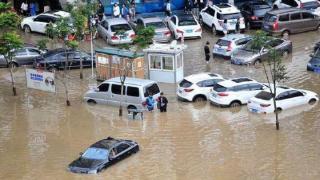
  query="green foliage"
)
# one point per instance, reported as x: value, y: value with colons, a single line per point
x: 10, y: 41
x: 63, y: 28
x: 144, y: 37
x: 79, y: 22
x: 8, y: 19
x: 278, y: 70
x: 68, y: 7
x: 259, y: 39
x: 51, y: 31
x: 42, y: 44
x: 5, y: 7
x: 72, y: 44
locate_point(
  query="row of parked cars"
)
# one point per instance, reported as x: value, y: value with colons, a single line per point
x: 238, y: 91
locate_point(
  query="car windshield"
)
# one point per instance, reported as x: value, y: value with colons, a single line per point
x: 184, y: 83
x: 219, y: 88
x: 261, y: 6
x: 120, y: 27
x: 317, y: 54
x: 231, y: 16
x: 250, y: 46
x: 264, y: 95
x: 156, y: 24
x: 95, y: 153
x: 222, y: 42
x: 187, y: 21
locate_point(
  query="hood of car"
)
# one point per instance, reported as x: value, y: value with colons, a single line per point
x: 84, y: 163
x: 28, y: 19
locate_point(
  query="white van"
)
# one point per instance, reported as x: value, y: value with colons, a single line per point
x: 135, y: 92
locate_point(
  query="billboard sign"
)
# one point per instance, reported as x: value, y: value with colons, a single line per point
x: 40, y: 80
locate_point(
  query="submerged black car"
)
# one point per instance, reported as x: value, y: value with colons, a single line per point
x: 102, y: 154
x: 58, y: 58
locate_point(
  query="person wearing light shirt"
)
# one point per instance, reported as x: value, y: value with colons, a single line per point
x: 116, y: 10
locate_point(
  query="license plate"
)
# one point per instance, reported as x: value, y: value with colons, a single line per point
x: 158, y: 34
x: 123, y: 37
x: 220, y: 50
x: 253, y: 110
x: 189, y: 31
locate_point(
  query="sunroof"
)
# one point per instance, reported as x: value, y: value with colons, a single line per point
x: 239, y: 80
x: 223, y: 5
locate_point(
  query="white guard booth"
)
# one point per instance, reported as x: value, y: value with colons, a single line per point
x: 165, y: 62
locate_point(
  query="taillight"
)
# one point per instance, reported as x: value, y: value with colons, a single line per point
x: 132, y: 36
x: 223, y: 94
x: 254, y: 18
x: 264, y: 105
x: 229, y: 47
x: 188, y: 90
x: 167, y: 33
x: 199, y: 30
x: 179, y: 31
x: 275, y: 25
x: 114, y: 38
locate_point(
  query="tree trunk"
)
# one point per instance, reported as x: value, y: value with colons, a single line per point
x: 65, y: 79
x: 120, y: 107
x: 14, y: 90
x: 81, y: 66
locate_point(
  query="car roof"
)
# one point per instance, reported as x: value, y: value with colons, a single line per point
x: 202, y: 76
x: 253, y: 3
x: 280, y: 89
x: 225, y: 8
x: 151, y: 19
x: 232, y: 37
x: 284, y: 10
x: 113, y: 21
x: 304, y: 1
x: 236, y: 81
x: 131, y: 81
x: 56, y: 14
x: 107, y: 143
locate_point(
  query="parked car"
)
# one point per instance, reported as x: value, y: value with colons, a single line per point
x: 135, y: 92
x: 40, y: 22
x: 116, y: 31
x: 316, y: 47
x: 162, y: 32
x: 254, y: 55
x: 285, y: 98
x: 253, y: 13
x: 23, y: 56
x: 186, y: 25
x: 312, y: 5
x: 102, y: 154
x: 56, y: 59
x: 314, y: 62
x: 289, y: 21
x: 215, y: 15
x: 226, y: 45
x: 197, y: 87
x: 235, y: 92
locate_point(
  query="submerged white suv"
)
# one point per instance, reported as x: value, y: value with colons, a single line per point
x: 214, y: 17
x: 196, y: 87
x: 235, y: 92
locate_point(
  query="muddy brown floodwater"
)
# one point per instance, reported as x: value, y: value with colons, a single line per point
x: 40, y: 136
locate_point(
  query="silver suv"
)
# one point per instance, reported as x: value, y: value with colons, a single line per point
x: 289, y: 21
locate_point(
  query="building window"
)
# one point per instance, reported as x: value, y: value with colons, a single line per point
x: 161, y: 62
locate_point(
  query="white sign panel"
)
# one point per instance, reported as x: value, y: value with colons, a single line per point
x: 40, y: 80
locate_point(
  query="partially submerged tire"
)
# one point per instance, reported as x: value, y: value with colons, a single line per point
x: 26, y: 29
x: 213, y: 29
x: 312, y: 101
x: 234, y: 104
x: 199, y: 99
x: 257, y: 63
x: 91, y: 102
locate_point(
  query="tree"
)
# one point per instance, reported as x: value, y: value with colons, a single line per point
x: 9, y: 40
x: 273, y: 68
x: 142, y: 40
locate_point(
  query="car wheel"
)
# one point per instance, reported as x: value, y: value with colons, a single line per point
x: 257, y: 63
x: 234, y: 104
x: 312, y: 101
x: 278, y: 110
x: 285, y: 34
x: 131, y: 107
x: 200, y: 21
x: 199, y: 99
x: 27, y: 29
x: 213, y: 29
x: 285, y: 53
x: 91, y: 102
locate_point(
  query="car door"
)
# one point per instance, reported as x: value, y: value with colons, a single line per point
x: 40, y: 23
x: 308, y: 22
x: 242, y: 93
x: 133, y: 96
x: 115, y: 96
x: 211, y: 18
x: 32, y: 55
x: 295, y: 23
x: 282, y: 100
x: 296, y: 98
x: 21, y: 56
x: 103, y: 30
x: 102, y: 94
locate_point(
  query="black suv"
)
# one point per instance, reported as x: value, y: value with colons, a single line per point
x: 253, y: 13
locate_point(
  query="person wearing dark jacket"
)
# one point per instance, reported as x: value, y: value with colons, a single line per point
x: 162, y: 103
x: 207, y: 52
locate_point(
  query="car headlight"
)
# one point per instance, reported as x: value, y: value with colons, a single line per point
x: 309, y: 64
x: 92, y: 172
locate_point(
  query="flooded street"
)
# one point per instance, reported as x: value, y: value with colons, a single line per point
x: 40, y: 136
